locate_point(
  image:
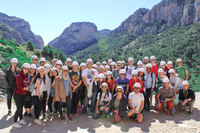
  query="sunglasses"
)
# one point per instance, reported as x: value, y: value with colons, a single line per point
x: 153, y: 60
x: 26, y: 68
x: 104, y: 87
x: 123, y: 74
x: 36, y: 59
x: 119, y: 91
x: 65, y: 70
x: 119, y: 65
x: 134, y: 75
x: 136, y: 88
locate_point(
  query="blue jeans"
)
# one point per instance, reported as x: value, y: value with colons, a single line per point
x: 92, y: 102
x: 96, y: 116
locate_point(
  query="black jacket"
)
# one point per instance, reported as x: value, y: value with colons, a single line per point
x: 10, y: 78
x: 191, y: 95
x: 122, y: 105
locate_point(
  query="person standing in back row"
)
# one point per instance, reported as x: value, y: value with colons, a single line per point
x: 11, y: 74
x: 69, y: 63
x: 181, y: 70
x: 115, y: 71
x: 145, y: 61
x: 129, y: 68
x: 149, y: 84
x: 34, y: 60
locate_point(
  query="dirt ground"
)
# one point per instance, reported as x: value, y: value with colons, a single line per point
x: 153, y: 122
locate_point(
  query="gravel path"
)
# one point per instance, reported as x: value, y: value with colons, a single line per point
x: 153, y: 122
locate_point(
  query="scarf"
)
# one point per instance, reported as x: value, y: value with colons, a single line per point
x: 65, y: 77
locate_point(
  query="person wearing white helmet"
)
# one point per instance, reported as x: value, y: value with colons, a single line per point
x: 141, y: 74
x: 113, y: 66
x: 164, y: 67
x: 145, y: 61
x: 123, y: 65
x: 159, y: 81
x: 155, y: 67
x: 63, y: 92
x: 103, y: 101
x: 69, y: 63
x: 149, y: 85
x: 107, y: 68
x: 36, y: 94
x: 34, y: 60
x: 134, y: 80
x: 59, y: 65
x: 54, y: 73
x: 129, y: 68
x: 20, y: 92
x: 181, y: 70
x: 109, y: 61
x: 123, y: 81
x: 139, y: 64
x: 46, y: 89
x: 94, y: 66
x: 101, y: 77
x: 118, y: 103
x: 98, y: 65
x: 75, y: 81
x: 101, y: 69
x: 175, y: 81
x: 170, y: 65
x: 166, y: 94
x: 111, y: 82
x: 42, y: 62
x: 54, y: 62
x: 89, y: 75
x: 104, y: 64
x: 82, y: 88
x: 10, y: 76
x: 186, y: 97
x: 115, y: 71
x: 136, y: 103
x: 31, y: 76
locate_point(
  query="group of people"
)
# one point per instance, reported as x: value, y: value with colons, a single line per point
x: 110, y: 89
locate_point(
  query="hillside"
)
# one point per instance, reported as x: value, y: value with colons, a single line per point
x: 169, y: 45
x: 23, y: 28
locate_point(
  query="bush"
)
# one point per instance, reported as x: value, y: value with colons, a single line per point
x: 1, y: 48
x: 37, y: 53
x: 9, y: 50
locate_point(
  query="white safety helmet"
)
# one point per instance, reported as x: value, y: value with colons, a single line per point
x: 83, y: 64
x: 101, y: 75
x: 139, y: 62
x: 165, y: 80
x: 162, y: 63
x: 104, y: 62
x: 108, y: 72
x: 169, y: 62
x: 104, y: 84
x: 14, y: 60
x: 145, y: 58
x: 69, y: 60
x: 94, y: 65
x: 54, y: 69
x: 39, y: 68
x: 120, y: 87
x: 149, y: 65
x: 122, y: 71
x: 65, y: 67
x: 33, y: 66
x: 137, y: 85
x: 171, y: 70
x: 26, y: 65
x: 47, y: 65
x: 160, y: 70
x: 59, y: 62
x: 89, y: 60
x: 134, y: 72
x: 141, y: 70
x: 152, y: 57
x: 113, y: 63
x: 34, y: 56
x: 43, y: 59
x: 107, y: 66
x: 75, y: 63
x: 179, y: 59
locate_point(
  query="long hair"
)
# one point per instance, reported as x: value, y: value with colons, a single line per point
x: 11, y: 67
x: 29, y: 73
x: 38, y: 76
x: 53, y: 77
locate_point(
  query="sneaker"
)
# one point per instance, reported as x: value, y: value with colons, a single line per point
x: 38, y: 121
x: 62, y: 118
x: 16, y: 125
x: 9, y: 113
x: 22, y: 122
x: 55, y: 114
x: 76, y: 114
x: 69, y: 118
x: 51, y: 114
x: 25, y: 114
x: 189, y: 113
x: 82, y: 113
x: 30, y: 115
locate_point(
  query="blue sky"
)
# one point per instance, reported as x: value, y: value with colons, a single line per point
x: 49, y: 18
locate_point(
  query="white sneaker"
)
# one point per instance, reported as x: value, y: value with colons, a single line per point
x: 22, y: 122
x: 16, y: 125
x: 38, y: 122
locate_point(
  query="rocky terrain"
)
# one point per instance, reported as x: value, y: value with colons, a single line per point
x: 23, y: 28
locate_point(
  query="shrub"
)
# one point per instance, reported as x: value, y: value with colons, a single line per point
x: 9, y: 50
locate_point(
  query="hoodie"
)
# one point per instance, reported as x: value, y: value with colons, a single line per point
x: 21, y: 82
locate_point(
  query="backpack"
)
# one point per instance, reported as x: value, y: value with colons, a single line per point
x: 104, y: 102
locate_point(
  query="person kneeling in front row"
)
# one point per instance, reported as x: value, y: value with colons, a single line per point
x: 136, y: 103
x: 103, y: 101
x: 186, y: 97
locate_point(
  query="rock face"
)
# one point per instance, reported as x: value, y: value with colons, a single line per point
x: 161, y: 17
x: 23, y: 28
x: 76, y: 37
x: 9, y: 33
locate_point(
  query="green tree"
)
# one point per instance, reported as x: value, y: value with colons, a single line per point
x: 56, y: 53
x: 62, y: 56
x: 30, y: 46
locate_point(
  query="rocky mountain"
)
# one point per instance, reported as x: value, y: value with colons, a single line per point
x: 10, y: 34
x: 166, y: 14
x: 76, y: 37
x: 23, y: 28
